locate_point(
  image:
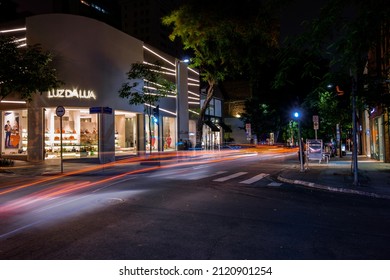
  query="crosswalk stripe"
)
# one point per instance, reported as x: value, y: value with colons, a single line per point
x: 254, y: 179
x: 223, y: 179
x: 274, y: 184
x: 210, y: 175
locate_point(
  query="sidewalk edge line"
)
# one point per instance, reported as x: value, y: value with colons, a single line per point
x: 331, y: 189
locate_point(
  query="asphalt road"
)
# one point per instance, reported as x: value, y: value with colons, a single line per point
x: 232, y: 209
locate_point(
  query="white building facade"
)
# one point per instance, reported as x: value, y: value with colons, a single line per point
x: 92, y: 59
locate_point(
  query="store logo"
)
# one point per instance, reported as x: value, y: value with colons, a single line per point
x: 68, y: 93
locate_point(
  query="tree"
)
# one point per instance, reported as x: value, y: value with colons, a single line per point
x: 146, y: 86
x: 345, y: 33
x: 25, y: 70
x: 225, y: 38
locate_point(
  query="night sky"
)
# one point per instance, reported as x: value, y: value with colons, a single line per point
x: 297, y: 12
x: 294, y: 14
x: 32, y: 6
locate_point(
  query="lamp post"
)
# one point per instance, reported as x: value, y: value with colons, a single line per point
x: 297, y: 116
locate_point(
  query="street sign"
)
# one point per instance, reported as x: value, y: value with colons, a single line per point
x: 107, y: 110
x: 60, y: 111
x: 100, y: 110
x: 95, y: 110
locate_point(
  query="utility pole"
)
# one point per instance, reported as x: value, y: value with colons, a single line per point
x: 354, y: 131
x: 301, y: 155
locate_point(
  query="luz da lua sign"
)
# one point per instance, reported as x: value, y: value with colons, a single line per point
x: 71, y: 93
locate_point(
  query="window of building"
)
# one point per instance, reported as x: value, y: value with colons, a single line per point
x: 79, y: 133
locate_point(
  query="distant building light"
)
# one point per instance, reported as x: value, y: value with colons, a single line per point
x: 96, y: 7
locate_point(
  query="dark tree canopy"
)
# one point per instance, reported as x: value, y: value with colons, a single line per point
x: 26, y: 70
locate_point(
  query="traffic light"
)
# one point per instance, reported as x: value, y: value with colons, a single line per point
x: 156, y: 113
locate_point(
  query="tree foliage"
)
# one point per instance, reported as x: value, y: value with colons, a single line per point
x: 145, y: 85
x: 26, y: 70
x: 225, y: 38
x: 344, y: 36
x: 345, y: 33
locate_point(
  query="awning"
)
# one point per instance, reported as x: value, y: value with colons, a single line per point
x: 225, y: 127
x: 211, y: 125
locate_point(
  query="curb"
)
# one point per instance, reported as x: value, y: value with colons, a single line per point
x: 331, y: 189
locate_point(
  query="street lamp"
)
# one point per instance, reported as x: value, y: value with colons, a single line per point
x: 297, y: 116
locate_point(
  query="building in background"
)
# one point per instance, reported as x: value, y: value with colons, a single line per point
x: 142, y: 19
x: 107, y: 11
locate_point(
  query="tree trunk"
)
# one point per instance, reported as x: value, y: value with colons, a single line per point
x: 199, y: 124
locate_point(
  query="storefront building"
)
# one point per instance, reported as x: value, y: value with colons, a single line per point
x: 92, y: 60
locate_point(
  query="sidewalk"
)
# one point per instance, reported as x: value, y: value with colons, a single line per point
x: 337, y: 176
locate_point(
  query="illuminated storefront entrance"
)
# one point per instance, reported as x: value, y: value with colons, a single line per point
x: 125, y: 133
x: 80, y: 133
x: 15, y: 132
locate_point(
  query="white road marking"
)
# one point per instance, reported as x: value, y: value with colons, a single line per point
x: 210, y: 175
x: 254, y: 179
x: 235, y: 175
x: 274, y: 184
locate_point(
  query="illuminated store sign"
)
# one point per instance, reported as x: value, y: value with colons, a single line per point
x: 69, y: 93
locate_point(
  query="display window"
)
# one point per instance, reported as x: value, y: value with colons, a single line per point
x: 125, y: 133
x: 15, y: 132
x: 151, y: 134
x: 80, y: 135
x: 169, y: 134
x: 211, y: 136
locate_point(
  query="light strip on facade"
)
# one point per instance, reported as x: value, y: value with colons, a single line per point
x: 192, y: 111
x: 196, y: 103
x: 14, y: 102
x: 193, y: 93
x: 194, y: 80
x: 156, y: 84
x: 192, y: 84
x: 161, y: 109
x: 156, y: 54
x: 13, y: 30
x: 20, y: 40
x: 162, y: 67
x: 194, y: 98
x: 192, y: 70
x: 166, y: 73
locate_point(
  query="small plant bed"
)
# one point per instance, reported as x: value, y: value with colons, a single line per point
x: 5, y: 162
